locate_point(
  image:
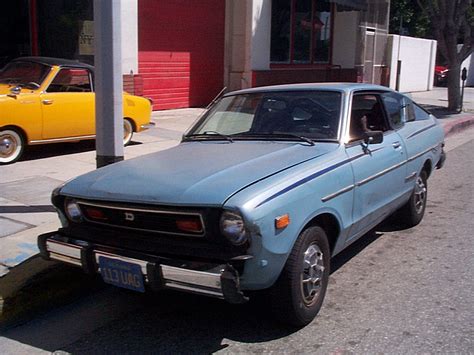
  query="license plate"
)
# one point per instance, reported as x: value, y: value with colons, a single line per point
x: 121, y: 273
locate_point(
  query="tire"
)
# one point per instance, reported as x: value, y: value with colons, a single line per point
x: 12, y: 145
x: 127, y: 131
x: 411, y: 214
x: 298, y: 294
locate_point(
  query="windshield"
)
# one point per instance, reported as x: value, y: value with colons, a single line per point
x: 24, y: 74
x: 284, y: 115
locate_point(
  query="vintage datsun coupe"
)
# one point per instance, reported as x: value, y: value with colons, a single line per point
x: 263, y: 190
x: 50, y: 100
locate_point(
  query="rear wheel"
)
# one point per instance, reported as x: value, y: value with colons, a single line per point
x: 299, y: 292
x: 413, y: 211
x: 127, y: 131
x: 12, y: 145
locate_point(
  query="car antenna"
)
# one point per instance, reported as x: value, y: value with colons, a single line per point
x: 217, y: 97
x: 207, y: 108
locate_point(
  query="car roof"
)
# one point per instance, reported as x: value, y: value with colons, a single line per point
x: 61, y: 62
x: 341, y: 87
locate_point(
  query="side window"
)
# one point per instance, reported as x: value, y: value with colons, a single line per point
x: 71, y: 80
x: 366, y: 115
x: 394, y: 106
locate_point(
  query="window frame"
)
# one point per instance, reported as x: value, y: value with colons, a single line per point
x: 89, y: 74
x: 311, y: 63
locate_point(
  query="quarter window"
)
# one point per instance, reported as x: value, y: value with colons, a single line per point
x: 301, y: 31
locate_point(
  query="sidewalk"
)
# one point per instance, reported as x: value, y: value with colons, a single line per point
x: 25, y: 187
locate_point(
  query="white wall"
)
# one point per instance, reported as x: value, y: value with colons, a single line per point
x: 345, y: 38
x: 261, y: 34
x: 418, y: 58
x: 469, y: 65
x: 129, y: 42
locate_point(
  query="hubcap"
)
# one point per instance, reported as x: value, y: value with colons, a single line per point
x: 420, y: 195
x: 312, y: 274
x: 8, y: 145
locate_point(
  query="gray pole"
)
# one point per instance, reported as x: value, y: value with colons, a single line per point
x: 108, y: 82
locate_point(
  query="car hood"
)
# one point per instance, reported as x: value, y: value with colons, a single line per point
x: 192, y: 173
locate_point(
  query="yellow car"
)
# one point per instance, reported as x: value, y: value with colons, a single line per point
x: 49, y: 100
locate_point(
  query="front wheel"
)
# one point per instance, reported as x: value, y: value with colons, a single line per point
x: 127, y: 131
x: 12, y: 145
x: 298, y: 294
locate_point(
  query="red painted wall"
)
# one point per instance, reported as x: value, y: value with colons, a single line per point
x: 181, y: 51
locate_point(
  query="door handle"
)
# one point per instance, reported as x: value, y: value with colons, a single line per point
x: 396, y: 145
x: 47, y: 102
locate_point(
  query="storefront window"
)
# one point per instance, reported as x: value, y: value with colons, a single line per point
x: 301, y: 31
x: 281, y: 31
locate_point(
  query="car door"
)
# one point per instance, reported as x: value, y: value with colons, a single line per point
x: 68, y: 105
x: 379, y: 169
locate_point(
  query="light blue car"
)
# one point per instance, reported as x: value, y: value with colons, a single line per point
x: 263, y: 190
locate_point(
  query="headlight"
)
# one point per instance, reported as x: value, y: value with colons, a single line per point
x: 73, y: 211
x: 233, y: 227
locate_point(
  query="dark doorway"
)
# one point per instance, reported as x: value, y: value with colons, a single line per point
x: 15, y: 31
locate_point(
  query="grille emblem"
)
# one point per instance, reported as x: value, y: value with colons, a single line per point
x: 129, y: 216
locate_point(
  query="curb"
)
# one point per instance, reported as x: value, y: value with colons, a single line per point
x: 459, y: 125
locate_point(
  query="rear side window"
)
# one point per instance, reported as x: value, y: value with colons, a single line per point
x: 420, y: 113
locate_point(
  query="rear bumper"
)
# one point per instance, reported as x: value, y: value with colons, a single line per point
x: 215, y: 280
x: 441, y: 160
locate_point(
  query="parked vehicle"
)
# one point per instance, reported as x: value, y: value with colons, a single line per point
x: 441, y: 75
x: 262, y: 191
x: 50, y: 100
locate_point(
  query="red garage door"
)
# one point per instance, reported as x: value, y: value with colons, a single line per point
x: 181, y: 51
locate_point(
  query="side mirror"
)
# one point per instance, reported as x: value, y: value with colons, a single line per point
x: 14, y: 91
x: 373, y: 137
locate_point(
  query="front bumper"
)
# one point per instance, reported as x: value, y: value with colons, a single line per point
x: 221, y: 281
x: 147, y: 126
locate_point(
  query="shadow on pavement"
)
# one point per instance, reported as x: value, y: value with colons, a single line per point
x: 27, y: 209
x: 42, y: 151
x: 164, y: 322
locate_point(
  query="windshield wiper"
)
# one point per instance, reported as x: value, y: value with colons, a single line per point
x: 208, y: 134
x: 274, y: 135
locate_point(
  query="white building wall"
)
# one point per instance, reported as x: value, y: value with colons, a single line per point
x: 261, y: 34
x: 469, y: 65
x: 417, y: 58
x: 345, y: 38
x: 129, y: 21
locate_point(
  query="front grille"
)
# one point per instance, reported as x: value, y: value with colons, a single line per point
x: 147, y: 219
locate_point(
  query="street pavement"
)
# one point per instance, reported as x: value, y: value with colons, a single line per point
x: 394, y: 291
x: 25, y: 187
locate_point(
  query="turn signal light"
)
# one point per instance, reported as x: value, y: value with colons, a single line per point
x: 282, y: 221
x: 189, y: 225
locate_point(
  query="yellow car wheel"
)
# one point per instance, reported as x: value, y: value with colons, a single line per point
x: 127, y: 131
x: 12, y: 145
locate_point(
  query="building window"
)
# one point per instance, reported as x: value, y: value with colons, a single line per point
x: 301, y: 31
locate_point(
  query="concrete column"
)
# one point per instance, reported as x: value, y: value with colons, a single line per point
x: 108, y: 81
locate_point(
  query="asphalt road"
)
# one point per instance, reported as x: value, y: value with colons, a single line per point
x: 395, y: 291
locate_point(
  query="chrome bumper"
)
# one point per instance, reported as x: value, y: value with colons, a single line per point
x: 220, y: 281
x: 148, y: 125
